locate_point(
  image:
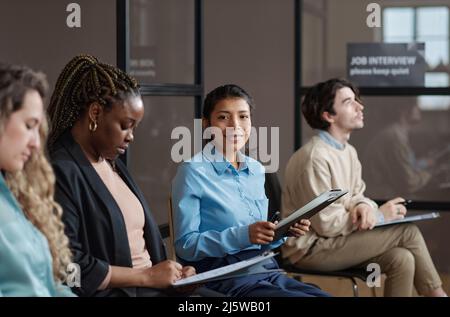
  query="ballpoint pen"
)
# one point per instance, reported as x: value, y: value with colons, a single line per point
x: 405, y: 203
x: 275, y: 217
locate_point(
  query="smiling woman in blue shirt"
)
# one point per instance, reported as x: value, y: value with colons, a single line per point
x: 220, y: 206
x: 34, y: 252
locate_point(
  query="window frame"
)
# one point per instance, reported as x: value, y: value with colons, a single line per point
x: 300, y: 90
x: 195, y: 90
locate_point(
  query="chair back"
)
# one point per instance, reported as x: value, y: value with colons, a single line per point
x: 272, y: 187
x: 171, y: 248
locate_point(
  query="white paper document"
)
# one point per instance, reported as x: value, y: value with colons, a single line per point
x: 231, y: 270
x: 431, y: 215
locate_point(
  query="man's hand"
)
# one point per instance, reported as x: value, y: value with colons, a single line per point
x: 393, y: 209
x: 364, y: 216
x: 300, y: 228
x: 261, y: 232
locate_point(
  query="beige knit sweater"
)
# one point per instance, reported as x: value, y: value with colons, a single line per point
x: 315, y: 168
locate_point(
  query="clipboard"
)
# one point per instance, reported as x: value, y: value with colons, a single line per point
x: 238, y: 269
x: 427, y: 216
x: 307, y: 211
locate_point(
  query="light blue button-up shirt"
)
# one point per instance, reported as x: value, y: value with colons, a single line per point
x: 25, y: 260
x: 214, y: 204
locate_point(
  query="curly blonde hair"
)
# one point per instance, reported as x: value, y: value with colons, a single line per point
x: 34, y: 185
x: 34, y: 188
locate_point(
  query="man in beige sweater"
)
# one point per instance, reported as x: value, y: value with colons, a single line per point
x: 342, y: 234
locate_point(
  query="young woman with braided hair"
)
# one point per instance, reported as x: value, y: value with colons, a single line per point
x: 93, y: 113
x: 34, y: 252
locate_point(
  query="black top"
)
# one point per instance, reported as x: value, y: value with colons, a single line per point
x: 93, y: 221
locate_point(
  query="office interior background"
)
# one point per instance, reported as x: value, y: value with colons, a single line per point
x: 181, y: 49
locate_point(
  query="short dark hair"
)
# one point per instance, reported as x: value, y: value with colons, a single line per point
x: 224, y: 92
x: 15, y: 82
x: 320, y: 98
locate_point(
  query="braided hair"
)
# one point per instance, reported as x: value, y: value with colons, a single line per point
x: 85, y: 80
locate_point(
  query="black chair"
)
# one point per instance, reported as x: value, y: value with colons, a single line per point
x: 273, y: 193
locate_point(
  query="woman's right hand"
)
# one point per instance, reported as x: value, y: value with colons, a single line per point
x: 261, y: 232
x: 163, y: 274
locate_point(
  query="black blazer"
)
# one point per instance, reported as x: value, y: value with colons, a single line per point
x: 93, y: 221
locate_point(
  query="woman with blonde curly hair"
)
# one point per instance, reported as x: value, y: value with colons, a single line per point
x: 34, y: 250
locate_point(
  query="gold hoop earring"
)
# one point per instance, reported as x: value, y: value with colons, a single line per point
x: 92, y: 126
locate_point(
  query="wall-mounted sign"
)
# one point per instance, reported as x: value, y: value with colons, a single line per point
x: 386, y: 64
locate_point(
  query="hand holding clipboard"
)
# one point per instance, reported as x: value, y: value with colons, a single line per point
x: 310, y: 209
